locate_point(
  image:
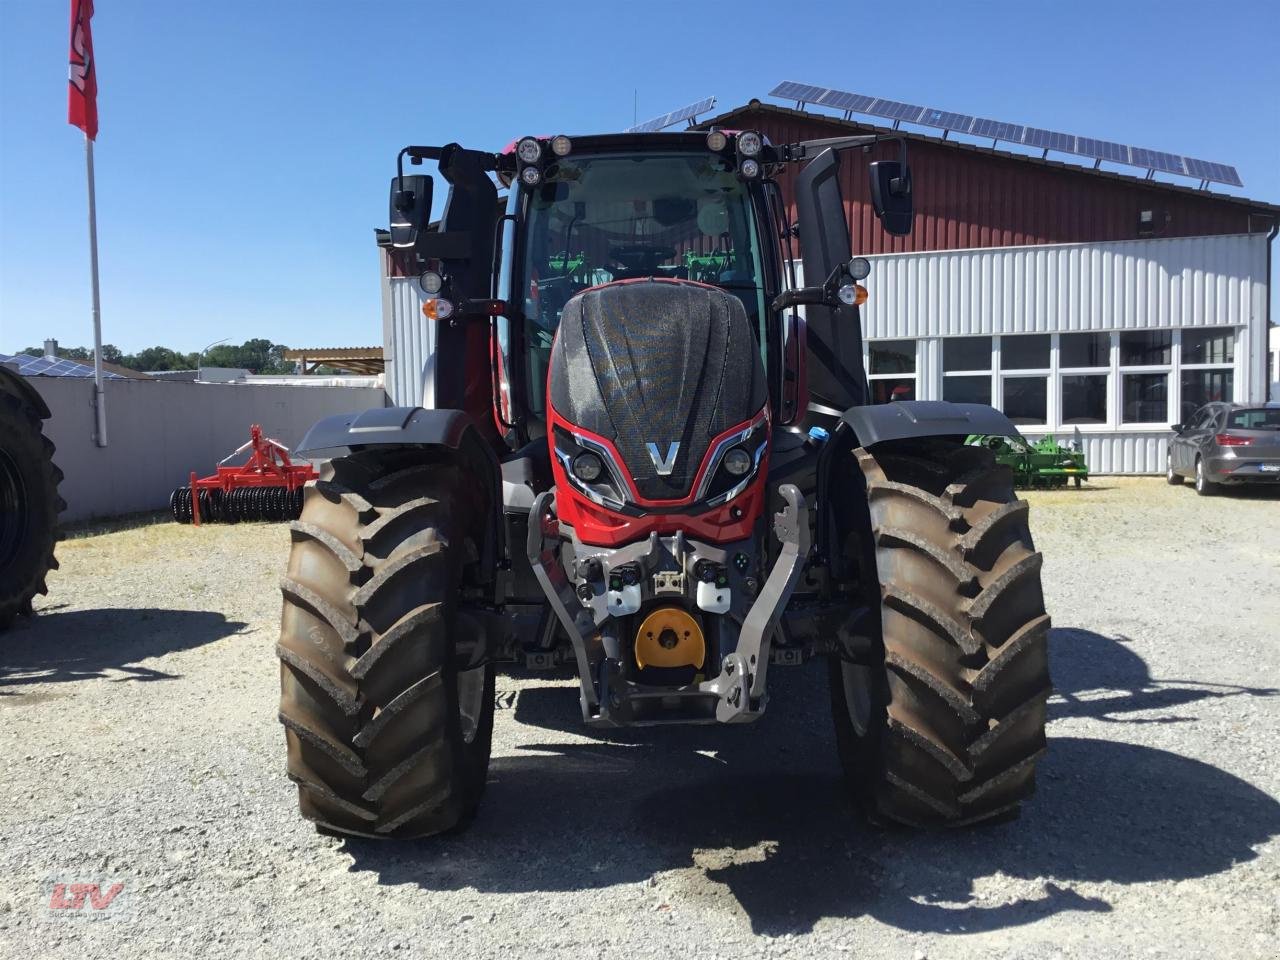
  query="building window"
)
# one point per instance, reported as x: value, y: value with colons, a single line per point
x: 1025, y: 395
x: 1146, y: 397
x: 1146, y: 348
x: 966, y: 370
x: 892, y: 356
x: 1084, y: 350
x: 1084, y: 360
x: 1027, y: 352
x: 887, y: 362
x: 1084, y: 398
x: 1144, y: 392
x: 1026, y: 399
x: 1207, y: 374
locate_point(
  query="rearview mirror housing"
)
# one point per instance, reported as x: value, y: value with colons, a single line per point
x: 410, y: 209
x: 891, y: 195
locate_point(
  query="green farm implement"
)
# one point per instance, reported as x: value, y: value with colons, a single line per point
x: 1045, y: 463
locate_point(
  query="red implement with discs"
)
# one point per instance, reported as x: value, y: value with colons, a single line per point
x: 267, y: 486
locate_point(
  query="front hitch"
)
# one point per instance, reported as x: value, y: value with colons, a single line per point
x: 738, y: 692
x: 741, y: 684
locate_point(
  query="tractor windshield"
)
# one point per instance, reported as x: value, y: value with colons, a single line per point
x: 596, y: 219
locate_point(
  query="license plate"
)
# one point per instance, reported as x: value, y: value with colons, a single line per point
x: 1269, y: 467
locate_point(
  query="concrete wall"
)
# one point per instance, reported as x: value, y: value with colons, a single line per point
x: 159, y: 431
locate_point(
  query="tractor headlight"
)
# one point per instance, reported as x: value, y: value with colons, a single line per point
x: 737, y: 461
x: 431, y: 282
x: 529, y: 150
x: 587, y: 467
x: 750, y: 168
x: 859, y: 268
x: 561, y: 145
x: 750, y: 143
x: 716, y: 141
x: 530, y: 176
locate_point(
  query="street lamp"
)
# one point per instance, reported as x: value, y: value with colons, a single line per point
x: 200, y: 358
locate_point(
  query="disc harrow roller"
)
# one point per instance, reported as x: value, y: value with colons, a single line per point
x: 266, y: 487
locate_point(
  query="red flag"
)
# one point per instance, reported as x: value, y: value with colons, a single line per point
x: 82, y: 92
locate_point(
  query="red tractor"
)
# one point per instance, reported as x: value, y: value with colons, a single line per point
x: 638, y: 458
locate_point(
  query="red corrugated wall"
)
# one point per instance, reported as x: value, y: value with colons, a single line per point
x: 967, y: 198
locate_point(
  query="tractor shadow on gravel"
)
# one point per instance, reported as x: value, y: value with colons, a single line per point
x: 1102, y: 678
x: 59, y: 646
x: 753, y: 822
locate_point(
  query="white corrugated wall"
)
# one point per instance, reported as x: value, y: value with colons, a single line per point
x: 1125, y: 285
x: 408, y: 343
x: 1179, y: 282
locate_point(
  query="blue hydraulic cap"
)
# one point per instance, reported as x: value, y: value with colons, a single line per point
x: 819, y: 434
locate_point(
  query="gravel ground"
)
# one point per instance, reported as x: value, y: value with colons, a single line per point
x: 139, y: 746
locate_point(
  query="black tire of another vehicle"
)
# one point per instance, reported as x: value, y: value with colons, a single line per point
x: 29, y: 507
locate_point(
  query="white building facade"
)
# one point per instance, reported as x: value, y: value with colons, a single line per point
x: 1112, y: 343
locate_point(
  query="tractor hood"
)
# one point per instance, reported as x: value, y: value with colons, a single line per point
x: 658, y: 368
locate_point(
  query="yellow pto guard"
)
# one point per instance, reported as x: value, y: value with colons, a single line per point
x: 669, y: 637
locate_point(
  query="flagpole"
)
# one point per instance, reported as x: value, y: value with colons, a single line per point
x: 99, y: 396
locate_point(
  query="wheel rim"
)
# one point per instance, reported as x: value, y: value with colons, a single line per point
x: 13, y: 509
x: 1200, y: 474
x: 470, y: 701
x: 1168, y: 465
x: 857, y: 683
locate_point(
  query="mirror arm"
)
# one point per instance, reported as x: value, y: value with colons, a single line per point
x: 797, y: 298
x: 800, y: 151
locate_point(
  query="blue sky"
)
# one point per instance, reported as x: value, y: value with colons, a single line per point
x: 245, y: 147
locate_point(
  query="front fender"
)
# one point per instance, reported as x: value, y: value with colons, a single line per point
x: 390, y: 426
x: 904, y: 419
x: 448, y: 433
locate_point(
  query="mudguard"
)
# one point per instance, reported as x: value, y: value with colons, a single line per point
x: 451, y: 431
x: 392, y: 426
x: 904, y: 419
x: 868, y: 425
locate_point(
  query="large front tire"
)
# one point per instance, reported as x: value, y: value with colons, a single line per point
x: 387, y: 735
x: 946, y: 728
x: 29, y: 505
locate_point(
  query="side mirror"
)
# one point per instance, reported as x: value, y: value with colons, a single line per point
x: 891, y: 195
x: 410, y: 208
x: 1178, y: 427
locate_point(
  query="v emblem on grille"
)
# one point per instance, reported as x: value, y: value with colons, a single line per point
x: 664, y: 465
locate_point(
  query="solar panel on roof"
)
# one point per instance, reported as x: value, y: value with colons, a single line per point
x: 1156, y: 160
x: 1208, y: 170
x: 1035, y: 137
x: 1049, y: 140
x: 30, y: 366
x: 997, y: 130
x: 845, y: 101
x: 944, y: 120
x: 674, y: 117
x: 895, y: 110
x: 1102, y: 149
x: 803, y: 92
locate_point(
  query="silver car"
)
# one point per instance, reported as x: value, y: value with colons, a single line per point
x: 1226, y: 443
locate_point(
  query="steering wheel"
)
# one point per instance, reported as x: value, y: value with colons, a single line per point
x: 641, y: 258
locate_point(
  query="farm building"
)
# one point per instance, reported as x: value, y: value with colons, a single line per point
x: 1084, y: 302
